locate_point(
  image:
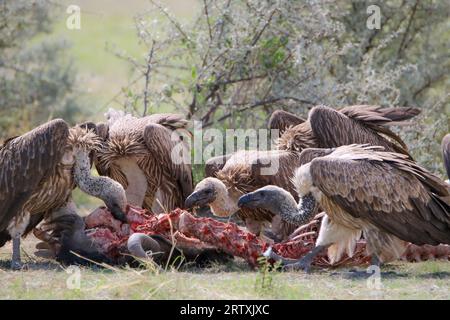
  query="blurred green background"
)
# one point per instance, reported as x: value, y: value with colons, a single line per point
x: 226, y: 63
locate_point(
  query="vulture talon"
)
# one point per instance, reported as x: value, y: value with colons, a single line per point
x: 16, y: 265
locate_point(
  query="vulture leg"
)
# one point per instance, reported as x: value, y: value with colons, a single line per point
x: 375, y: 261
x: 294, y: 264
x: 16, y: 263
x: 305, y: 262
x: 272, y: 255
x: 16, y: 229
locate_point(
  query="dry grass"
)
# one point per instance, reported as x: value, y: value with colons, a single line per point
x: 44, y: 280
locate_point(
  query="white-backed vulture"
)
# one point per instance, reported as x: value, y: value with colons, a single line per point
x: 138, y: 153
x: 329, y: 128
x: 384, y: 195
x: 446, y: 153
x: 38, y: 172
x: 325, y: 127
x: 244, y: 172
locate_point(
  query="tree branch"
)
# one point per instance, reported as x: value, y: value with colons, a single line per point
x: 147, y: 78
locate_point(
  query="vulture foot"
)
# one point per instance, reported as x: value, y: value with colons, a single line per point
x: 16, y: 265
x: 290, y: 264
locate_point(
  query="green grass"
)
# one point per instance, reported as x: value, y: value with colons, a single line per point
x: 427, y: 280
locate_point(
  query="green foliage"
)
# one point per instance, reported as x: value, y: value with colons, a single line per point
x: 239, y: 61
x: 36, y: 77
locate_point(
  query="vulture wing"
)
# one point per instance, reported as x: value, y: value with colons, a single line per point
x: 170, y: 151
x: 446, y: 153
x: 377, y: 115
x: 25, y: 161
x: 102, y: 130
x: 359, y: 125
x: 169, y: 120
x: 274, y: 167
x: 387, y: 189
x: 282, y: 120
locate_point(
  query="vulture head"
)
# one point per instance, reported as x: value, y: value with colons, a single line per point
x: 213, y: 192
x: 115, y: 198
x: 282, y: 203
x: 272, y: 198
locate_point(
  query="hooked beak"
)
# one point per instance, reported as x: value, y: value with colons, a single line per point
x: 247, y: 200
x: 118, y: 213
x: 197, y: 199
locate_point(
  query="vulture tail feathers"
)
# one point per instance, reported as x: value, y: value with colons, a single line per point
x: 379, y: 119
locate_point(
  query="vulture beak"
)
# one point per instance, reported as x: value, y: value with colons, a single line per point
x: 248, y: 200
x: 198, y: 199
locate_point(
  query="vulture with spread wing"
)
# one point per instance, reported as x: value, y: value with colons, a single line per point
x: 329, y: 128
x: 38, y: 172
x: 325, y: 128
x: 384, y: 195
x: 149, y: 157
x: 446, y: 153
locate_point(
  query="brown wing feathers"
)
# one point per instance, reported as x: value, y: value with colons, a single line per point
x: 25, y: 161
x: 334, y: 128
x: 158, y: 140
x: 391, y: 192
x: 282, y: 120
x: 329, y: 128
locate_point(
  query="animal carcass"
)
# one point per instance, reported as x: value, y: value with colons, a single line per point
x: 196, y: 238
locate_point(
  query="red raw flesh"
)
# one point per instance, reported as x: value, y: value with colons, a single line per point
x: 183, y: 229
x: 226, y: 236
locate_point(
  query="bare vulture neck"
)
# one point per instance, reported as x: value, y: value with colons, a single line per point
x: 297, y: 214
x: 98, y: 187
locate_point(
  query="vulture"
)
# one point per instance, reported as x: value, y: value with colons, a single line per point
x: 38, y: 172
x: 243, y: 172
x: 384, y: 195
x: 329, y: 128
x: 446, y: 153
x: 230, y: 176
x: 149, y: 157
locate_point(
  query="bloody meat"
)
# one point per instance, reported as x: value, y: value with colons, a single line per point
x: 183, y: 229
